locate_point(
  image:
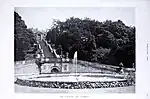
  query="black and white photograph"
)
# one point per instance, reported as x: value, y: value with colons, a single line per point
x: 74, y: 50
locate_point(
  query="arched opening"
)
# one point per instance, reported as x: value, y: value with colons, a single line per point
x: 55, y: 70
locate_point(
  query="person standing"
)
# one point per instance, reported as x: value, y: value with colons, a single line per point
x: 38, y: 62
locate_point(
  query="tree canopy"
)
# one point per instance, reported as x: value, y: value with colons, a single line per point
x: 23, y: 38
x: 105, y: 42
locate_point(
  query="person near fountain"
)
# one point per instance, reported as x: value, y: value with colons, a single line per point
x: 37, y: 61
x: 120, y: 69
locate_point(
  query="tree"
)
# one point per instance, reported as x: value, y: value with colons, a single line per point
x: 95, y: 41
x: 23, y: 38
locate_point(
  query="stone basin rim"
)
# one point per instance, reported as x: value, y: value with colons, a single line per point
x: 81, y: 77
x: 25, y: 81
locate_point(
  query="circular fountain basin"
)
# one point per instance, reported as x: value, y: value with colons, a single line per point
x: 73, y: 81
x: 74, y: 78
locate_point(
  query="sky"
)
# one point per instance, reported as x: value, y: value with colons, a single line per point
x: 42, y: 17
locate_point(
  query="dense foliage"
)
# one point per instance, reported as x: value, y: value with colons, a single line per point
x: 105, y: 42
x: 23, y: 38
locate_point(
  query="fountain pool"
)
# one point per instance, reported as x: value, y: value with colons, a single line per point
x: 73, y: 81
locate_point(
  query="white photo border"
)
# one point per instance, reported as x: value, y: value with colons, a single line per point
x: 142, y: 23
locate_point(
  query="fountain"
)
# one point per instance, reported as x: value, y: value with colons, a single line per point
x: 74, y: 80
x: 75, y: 62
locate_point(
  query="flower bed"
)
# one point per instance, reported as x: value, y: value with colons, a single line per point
x: 74, y: 85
